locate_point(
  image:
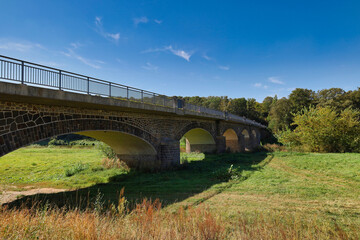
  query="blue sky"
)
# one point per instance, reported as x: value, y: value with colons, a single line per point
x: 250, y: 49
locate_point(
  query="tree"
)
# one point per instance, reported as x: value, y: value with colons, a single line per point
x: 323, y: 129
x: 332, y: 97
x: 301, y: 98
x: 265, y: 106
x: 280, y: 116
x: 237, y: 106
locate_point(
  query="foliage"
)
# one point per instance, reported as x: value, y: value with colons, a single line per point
x: 280, y: 115
x: 107, y: 151
x: 114, y: 163
x: 322, y: 129
x: 78, y: 167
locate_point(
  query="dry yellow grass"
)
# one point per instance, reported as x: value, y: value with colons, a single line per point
x: 148, y: 221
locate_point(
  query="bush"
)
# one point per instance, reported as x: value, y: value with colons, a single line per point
x: 57, y: 142
x: 107, y: 151
x: 78, y: 167
x: 322, y: 129
x: 274, y: 147
x: 228, y: 174
x: 114, y: 163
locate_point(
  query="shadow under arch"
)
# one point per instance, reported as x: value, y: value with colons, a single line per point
x: 89, y: 127
x: 199, y: 140
x: 231, y: 140
x: 135, y: 151
x: 256, y: 137
x: 247, y: 139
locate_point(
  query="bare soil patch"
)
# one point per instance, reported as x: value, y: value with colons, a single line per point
x: 9, y: 196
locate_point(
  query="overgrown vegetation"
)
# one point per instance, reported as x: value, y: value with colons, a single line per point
x: 149, y: 221
x: 323, y: 129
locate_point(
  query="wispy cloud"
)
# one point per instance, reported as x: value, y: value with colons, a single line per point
x: 260, y: 85
x: 178, y: 52
x: 20, y: 47
x: 158, y: 21
x: 70, y: 52
x: 205, y: 56
x: 139, y: 20
x: 226, y: 68
x: 100, y: 29
x: 275, y: 80
x: 150, y: 67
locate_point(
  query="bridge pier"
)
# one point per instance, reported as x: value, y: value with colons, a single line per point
x: 169, y: 154
x: 220, y: 144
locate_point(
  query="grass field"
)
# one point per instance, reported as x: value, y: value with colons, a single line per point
x: 316, y: 195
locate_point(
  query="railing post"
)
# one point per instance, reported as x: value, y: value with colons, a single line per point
x: 109, y: 89
x: 175, y: 102
x: 22, y: 72
x: 59, y: 79
x: 88, y: 85
x: 127, y: 93
x: 142, y: 95
x: 154, y: 98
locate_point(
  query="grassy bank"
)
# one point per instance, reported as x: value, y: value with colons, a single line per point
x: 250, y: 195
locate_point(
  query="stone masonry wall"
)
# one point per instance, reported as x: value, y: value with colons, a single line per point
x: 24, y: 123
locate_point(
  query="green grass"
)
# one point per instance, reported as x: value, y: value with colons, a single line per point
x: 48, y: 167
x: 251, y: 184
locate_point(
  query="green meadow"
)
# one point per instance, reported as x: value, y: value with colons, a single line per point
x: 322, y: 188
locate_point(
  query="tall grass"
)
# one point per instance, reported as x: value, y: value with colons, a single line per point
x: 149, y: 221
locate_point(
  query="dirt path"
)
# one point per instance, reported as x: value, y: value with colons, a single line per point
x: 9, y: 196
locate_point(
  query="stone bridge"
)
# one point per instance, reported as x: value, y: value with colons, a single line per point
x: 143, y: 135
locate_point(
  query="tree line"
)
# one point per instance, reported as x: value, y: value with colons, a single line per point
x: 329, y: 111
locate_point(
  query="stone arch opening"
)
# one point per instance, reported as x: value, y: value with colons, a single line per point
x: 232, y: 140
x: 133, y: 150
x: 199, y: 140
x: 139, y: 144
x: 256, y: 137
x: 246, y: 136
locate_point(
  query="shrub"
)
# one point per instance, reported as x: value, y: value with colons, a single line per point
x: 228, y: 174
x: 322, y: 129
x: 107, y: 151
x: 78, y: 167
x: 114, y: 163
x: 274, y: 147
x: 57, y: 142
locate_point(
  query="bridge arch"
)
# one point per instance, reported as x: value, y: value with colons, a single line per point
x: 256, y: 137
x: 139, y: 148
x: 231, y: 140
x: 199, y: 137
x: 247, y: 138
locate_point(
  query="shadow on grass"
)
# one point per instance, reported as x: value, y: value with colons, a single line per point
x: 168, y: 186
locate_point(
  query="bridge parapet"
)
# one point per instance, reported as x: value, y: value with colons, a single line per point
x: 32, y: 74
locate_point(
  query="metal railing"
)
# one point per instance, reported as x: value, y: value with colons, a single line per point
x: 35, y: 74
x: 12, y: 69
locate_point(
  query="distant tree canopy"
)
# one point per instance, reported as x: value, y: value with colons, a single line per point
x: 278, y: 114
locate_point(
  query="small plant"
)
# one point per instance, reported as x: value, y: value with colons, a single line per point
x: 57, y: 142
x: 78, y: 167
x: 114, y: 163
x: 227, y: 174
x: 99, y: 202
x: 184, y: 159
